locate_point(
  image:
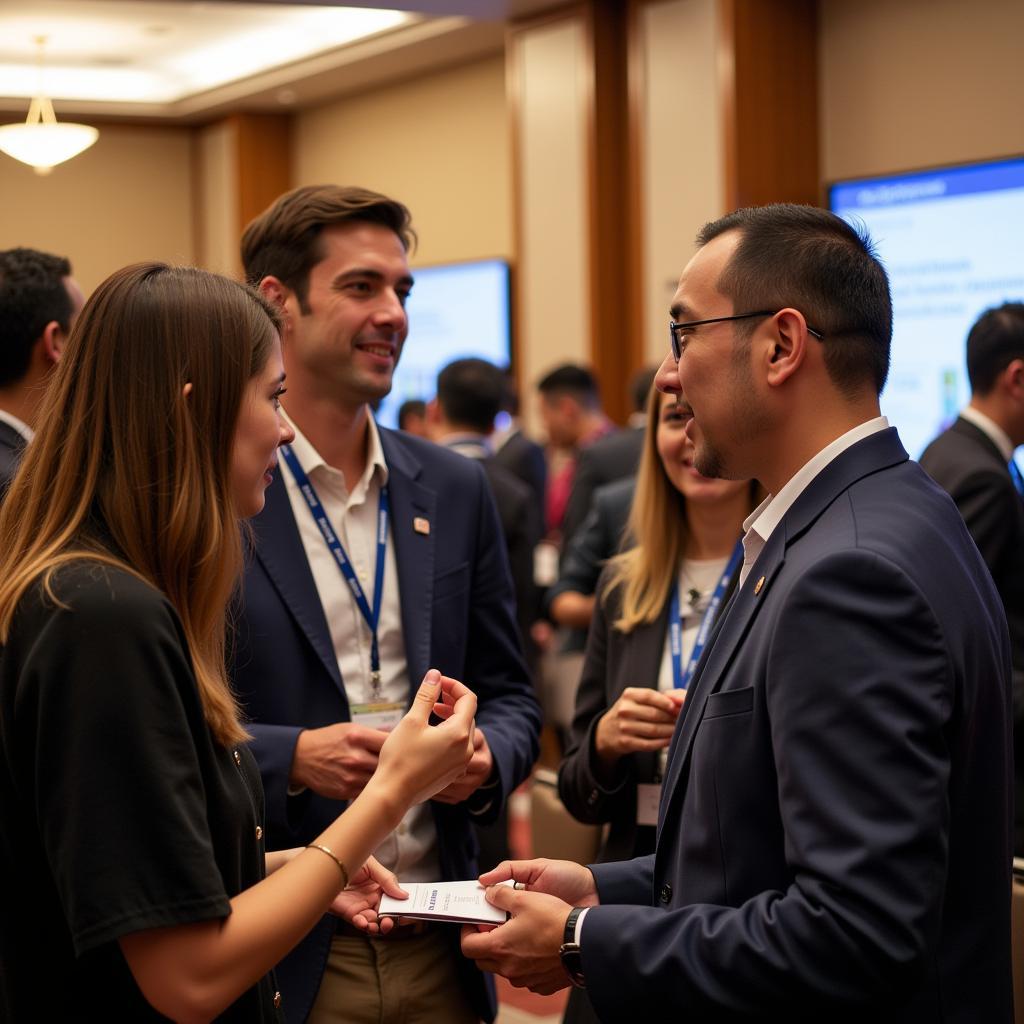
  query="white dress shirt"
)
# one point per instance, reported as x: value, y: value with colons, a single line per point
x: 19, y: 425
x: 990, y: 429
x: 411, y: 850
x: 758, y: 526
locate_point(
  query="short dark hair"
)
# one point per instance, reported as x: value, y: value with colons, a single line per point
x: 640, y: 385
x: 809, y: 258
x: 469, y: 392
x: 32, y: 294
x: 573, y: 380
x: 995, y: 340
x: 284, y: 240
x: 410, y: 407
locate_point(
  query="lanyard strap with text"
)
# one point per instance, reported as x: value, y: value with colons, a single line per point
x: 680, y: 676
x: 370, y: 615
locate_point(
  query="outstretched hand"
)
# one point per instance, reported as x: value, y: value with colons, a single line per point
x: 359, y: 902
x: 420, y: 759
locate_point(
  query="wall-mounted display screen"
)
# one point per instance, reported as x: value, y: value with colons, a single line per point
x: 455, y: 310
x: 951, y: 240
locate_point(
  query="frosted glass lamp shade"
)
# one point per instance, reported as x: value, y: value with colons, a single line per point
x: 42, y: 141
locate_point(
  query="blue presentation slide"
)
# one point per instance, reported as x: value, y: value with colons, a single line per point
x: 455, y: 311
x: 951, y: 240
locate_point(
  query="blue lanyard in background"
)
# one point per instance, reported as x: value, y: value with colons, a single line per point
x: 370, y: 615
x: 680, y: 676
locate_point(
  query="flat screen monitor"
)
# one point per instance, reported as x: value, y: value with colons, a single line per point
x: 455, y: 310
x: 951, y: 240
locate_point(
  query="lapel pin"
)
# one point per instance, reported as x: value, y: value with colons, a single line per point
x: 421, y: 525
x: 758, y: 585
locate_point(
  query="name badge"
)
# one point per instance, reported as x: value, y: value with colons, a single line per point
x: 648, y: 797
x: 381, y: 714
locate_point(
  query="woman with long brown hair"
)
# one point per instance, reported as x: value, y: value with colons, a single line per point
x: 657, y: 601
x: 137, y: 880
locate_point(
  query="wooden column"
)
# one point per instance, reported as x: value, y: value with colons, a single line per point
x: 241, y: 164
x: 576, y: 298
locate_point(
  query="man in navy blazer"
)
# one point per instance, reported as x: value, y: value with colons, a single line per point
x: 834, y: 829
x: 318, y: 681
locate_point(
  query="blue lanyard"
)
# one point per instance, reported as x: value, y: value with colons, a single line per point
x: 681, y: 677
x: 371, y: 616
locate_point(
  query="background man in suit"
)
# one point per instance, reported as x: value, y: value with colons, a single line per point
x: 39, y: 301
x: 973, y: 461
x: 516, y: 452
x: 322, y: 673
x: 461, y: 418
x: 608, y: 459
x: 834, y: 830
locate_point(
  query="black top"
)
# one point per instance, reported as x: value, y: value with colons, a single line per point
x: 120, y: 810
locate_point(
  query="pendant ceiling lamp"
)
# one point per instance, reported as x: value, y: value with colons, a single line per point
x: 42, y: 141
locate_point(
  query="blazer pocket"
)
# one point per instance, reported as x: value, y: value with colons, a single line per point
x: 729, y: 702
x: 451, y: 582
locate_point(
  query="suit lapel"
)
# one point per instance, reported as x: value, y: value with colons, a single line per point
x: 874, y: 453
x: 279, y: 549
x: 412, y: 504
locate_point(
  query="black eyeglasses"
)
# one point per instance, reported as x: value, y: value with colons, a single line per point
x: 675, y: 330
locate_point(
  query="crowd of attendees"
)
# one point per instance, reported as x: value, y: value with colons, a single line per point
x: 263, y: 660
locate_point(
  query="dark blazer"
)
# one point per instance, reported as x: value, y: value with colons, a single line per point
x: 522, y: 529
x: 967, y: 464
x: 834, y: 833
x: 613, y: 661
x: 609, y: 458
x: 600, y: 537
x: 12, y: 445
x: 525, y: 458
x: 457, y: 616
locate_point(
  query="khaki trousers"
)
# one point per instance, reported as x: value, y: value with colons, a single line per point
x: 408, y: 980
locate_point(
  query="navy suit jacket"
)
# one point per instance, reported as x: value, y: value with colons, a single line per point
x: 966, y: 463
x: 834, y: 835
x: 12, y: 446
x: 458, y: 616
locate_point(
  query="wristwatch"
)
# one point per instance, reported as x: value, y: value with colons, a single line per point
x: 569, y: 951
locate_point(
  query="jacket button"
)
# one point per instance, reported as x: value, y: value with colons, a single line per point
x: 666, y: 893
x: 592, y: 799
x: 277, y: 1000
x: 259, y: 832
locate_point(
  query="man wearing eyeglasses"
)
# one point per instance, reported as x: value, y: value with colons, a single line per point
x: 834, y: 828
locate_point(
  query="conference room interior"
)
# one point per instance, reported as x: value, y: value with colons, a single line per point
x: 583, y: 144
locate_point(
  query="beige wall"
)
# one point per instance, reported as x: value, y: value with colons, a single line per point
x: 682, y: 148
x: 908, y: 83
x: 128, y: 198
x: 440, y: 143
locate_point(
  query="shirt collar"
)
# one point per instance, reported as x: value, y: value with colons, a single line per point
x: 990, y: 429
x: 770, y: 512
x: 313, y: 462
x: 19, y: 425
x: 473, y: 446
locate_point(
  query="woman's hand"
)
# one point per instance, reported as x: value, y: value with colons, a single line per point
x: 419, y: 759
x: 358, y: 903
x: 641, y: 719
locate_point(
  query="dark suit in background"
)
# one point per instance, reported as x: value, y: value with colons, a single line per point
x: 966, y: 463
x: 525, y: 459
x: 600, y: 537
x: 833, y: 841
x: 608, y: 459
x: 457, y: 616
x: 12, y: 444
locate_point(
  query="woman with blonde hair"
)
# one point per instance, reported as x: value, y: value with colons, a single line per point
x: 138, y: 886
x: 657, y: 601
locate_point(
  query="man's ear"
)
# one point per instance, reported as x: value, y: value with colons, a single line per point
x: 433, y: 413
x: 785, y: 346
x: 1013, y: 379
x: 52, y: 342
x: 276, y: 291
